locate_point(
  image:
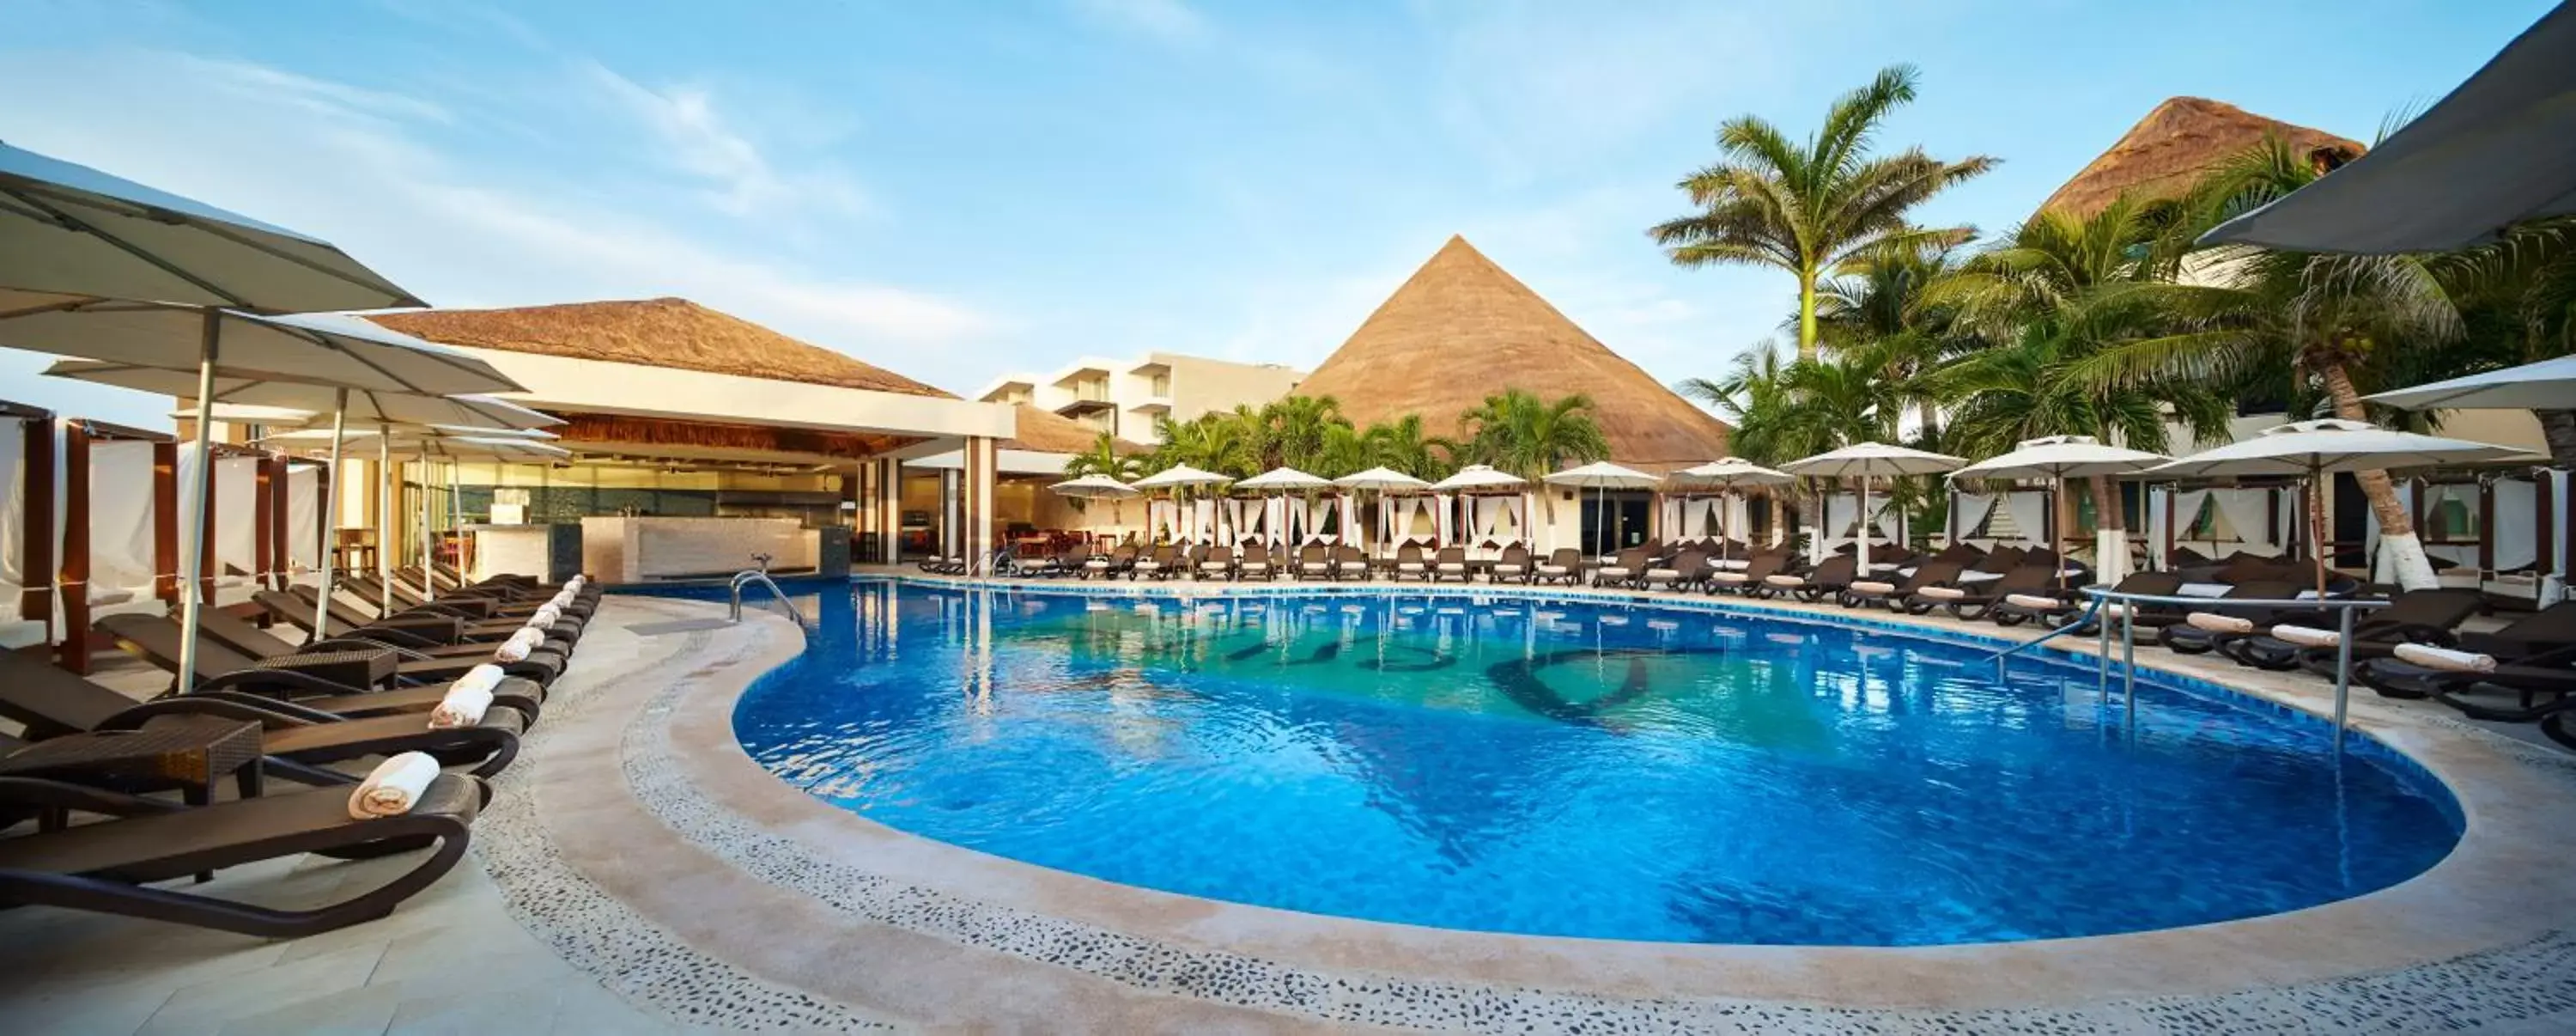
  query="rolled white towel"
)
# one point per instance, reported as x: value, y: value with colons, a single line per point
x: 574, y: 584
x: 2115, y: 610
x: 463, y: 707
x: 1551, y: 570
x: 2446, y: 659
x: 1611, y: 572
x: 1942, y: 593
x: 393, y: 786
x: 1663, y: 573
x: 544, y: 618
x: 517, y: 647
x: 1731, y: 577
x: 2306, y: 636
x: 2216, y: 623
x: 1735, y: 564
x: 2046, y: 604
x: 1785, y: 580
x: 1872, y: 586
x: 561, y: 601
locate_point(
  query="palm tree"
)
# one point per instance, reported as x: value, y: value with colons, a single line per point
x: 1294, y: 429
x: 2340, y: 322
x: 1885, y: 300
x: 1807, y: 209
x: 1214, y: 442
x: 1783, y: 411
x: 1403, y: 444
x: 2523, y: 292
x: 1519, y: 433
x: 1104, y: 458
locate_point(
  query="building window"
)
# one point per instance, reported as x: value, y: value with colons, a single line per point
x: 1162, y: 385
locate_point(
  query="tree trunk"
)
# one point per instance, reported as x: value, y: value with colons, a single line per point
x: 1807, y: 315
x: 2559, y: 428
x: 2110, y: 533
x: 2401, y: 556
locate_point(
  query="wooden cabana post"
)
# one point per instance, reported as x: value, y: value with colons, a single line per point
x: 73, y: 579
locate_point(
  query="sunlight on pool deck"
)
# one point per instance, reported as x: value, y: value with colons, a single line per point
x: 639, y: 873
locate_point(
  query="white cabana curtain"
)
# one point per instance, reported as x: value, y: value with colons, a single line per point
x: 2435, y: 495
x: 2029, y: 512
x: 13, y: 516
x: 1274, y: 520
x: 1203, y: 523
x: 237, y: 531
x: 2159, y: 527
x: 303, y: 519
x: 1350, y: 523
x: 1673, y: 516
x: 1889, y: 518
x: 2247, y: 514
x: 1841, y: 514
x: 2516, y: 523
x: 1444, y: 518
x: 120, y: 545
x: 1968, y: 512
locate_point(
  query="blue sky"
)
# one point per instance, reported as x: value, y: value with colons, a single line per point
x: 952, y: 190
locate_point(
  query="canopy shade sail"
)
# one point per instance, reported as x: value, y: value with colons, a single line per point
x: 2500, y: 149
x: 74, y: 232
x: 2547, y: 385
x: 319, y: 349
x: 365, y: 408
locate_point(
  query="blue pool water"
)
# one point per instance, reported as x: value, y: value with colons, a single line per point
x: 1564, y: 769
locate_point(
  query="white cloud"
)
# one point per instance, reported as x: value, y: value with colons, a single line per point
x: 462, y: 228
x: 701, y: 141
x: 1171, y: 21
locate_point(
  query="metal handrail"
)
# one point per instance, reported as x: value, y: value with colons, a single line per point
x: 753, y: 575
x: 2344, y: 608
x: 2080, y: 620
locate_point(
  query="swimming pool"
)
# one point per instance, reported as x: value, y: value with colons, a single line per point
x: 1548, y: 767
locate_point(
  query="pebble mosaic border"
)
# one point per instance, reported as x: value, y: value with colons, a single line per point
x: 2526, y: 983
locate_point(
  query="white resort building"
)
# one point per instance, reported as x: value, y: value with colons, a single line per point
x: 1124, y: 396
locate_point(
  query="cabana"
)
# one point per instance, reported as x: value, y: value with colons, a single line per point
x: 26, y: 525
x: 2216, y: 521
x: 1484, y: 509
x: 120, y: 548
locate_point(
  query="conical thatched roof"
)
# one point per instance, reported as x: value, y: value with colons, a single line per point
x: 2160, y: 156
x: 1462, y: 329
x: 673, y: 333
x: 1041, y: 431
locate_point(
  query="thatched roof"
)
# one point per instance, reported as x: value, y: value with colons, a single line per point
x: 1462, y: 329
x: 674, y: 333
x: 1042, y: 431
x: 2160, y: 156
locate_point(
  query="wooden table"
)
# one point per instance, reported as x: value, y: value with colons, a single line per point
x: 189, y: 753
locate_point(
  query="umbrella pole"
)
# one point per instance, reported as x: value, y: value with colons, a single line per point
x: 1861, y: 534
x: 2317, y: 535
x: 192, y: 506
x: 428, y: 550
x: 456, y: 514
x: 384, y: 521
x: 331, y: 516
x: 2056, y: 501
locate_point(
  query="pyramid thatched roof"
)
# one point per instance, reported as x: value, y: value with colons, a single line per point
x: 2160, y: 156
x: 673, y: 333
x: 1461, y: 329
x: 1042, y: 431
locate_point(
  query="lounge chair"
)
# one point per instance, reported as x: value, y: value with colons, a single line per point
x: 1409, y: 562
x: 106, y: 866
x: 518, y: 692
x: 156, y: 639
x: 1156, y: 564
x: 1900, y: 595
x: 2527, y: 677
x: 2430, y: 616
x: 1833, y: 576
x: 2210, y: 628
x: 479, y: 639
x: 1623, y: 569
x: 1108, y: 566
x: 297, y: 739
x: 1216, y: 563
x: 1513, y: 566
x: 1255, y: 563
x: 1686, y: 570
x: 2539, y: 635
x: 2055, y: 605
x: 1350, y: 562
x: 1563, y: 565
x: 1750, y: 579
x: 1450, y: 563
x: 1972, y: 601
x: 1314, y: 561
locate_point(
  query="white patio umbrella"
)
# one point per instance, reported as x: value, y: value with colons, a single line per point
x: 1728, y: 474
x: 366, y: 407
x: 2547, y: 385
x: 1285, y: 480
x: 1381, y: 480
x: 2061, y: 457
x: 1179, y: 478
x: 2312, y: 449
x: 1864, y: 461
x: 2499, y: 149
x: 1600, y: 477
x: 1474, y: 478
x: 1096, y: 487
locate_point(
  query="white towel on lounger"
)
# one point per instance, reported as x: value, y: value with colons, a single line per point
x: 1871, y: 586
x: 467, y: 699
x: 2216, y: 623
x: 517, y: 647
x: 2446, y: 659
x: 393, y: 787
x: 2306, y: 636
x: 1941, y: 593
x: 2034, y: 601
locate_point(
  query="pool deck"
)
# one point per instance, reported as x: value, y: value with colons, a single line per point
x: 638, y: 872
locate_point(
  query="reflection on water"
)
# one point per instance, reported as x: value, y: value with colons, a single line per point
x: 1560, y: 768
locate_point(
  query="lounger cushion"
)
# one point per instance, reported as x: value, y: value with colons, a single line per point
x: 2046, y: 604
x: 1551, y: 570
x: 2216, y: 623
x: 1663, y: 573
x: 1731, y: 577
x: 1507, y: 569
x: 2202, y: 590
x: 2306, y: 636
x: 1868, y: 586
x: 1942, y: 593
x: 2446, y: 659
x: 1785, y: 580
x: 1452, y: 566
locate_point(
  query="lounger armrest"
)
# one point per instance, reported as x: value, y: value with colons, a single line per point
x: 41, y: 793
x: 267, y: 716
x: 267, y: 704
x: 301, y: 682
x: 367, y: 643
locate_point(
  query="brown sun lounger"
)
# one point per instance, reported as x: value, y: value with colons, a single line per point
x: 155, y: 639
x: 517, y: 692
x: 1900, y: 596
x: 2429, y: 616
x: 1971, y: 601
x: 108, y: 866
x: 1751, y: 579
x: 1832, y: 576
x: 295, y: 738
